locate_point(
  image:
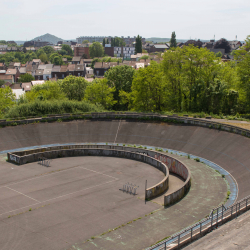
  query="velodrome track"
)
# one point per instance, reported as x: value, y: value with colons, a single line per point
x: 228, y: 150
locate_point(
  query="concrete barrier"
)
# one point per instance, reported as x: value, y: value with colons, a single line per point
x: 170, y: 164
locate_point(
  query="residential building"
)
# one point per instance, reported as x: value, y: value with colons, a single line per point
x: 39, y: 74
x: 124, y: 52
x: 81, y: 50
x: 47, y: 74
x: 79, y: 70
x: 56, y: 71
x: 7, y: 78
x: 63, y: 71
x: 158, y: 48
x: 76, y: 60
x: 13, y: 72
x: 26, y: 86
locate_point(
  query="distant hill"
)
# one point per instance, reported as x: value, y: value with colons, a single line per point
x: 48, y: 38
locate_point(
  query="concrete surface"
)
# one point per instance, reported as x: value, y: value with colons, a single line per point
x: 234, y: 235
x: 226, y: 149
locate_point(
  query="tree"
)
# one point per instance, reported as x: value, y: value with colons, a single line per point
x: 7, y: 99
x: 48, y: 50
x: 26, y: 78
x: 43, y: 57
x: 96, y: 50
x: 138, y: 45
x: 173, y: 43
x: 2, y: 82
x: 197, y: 43
x: 103, y: 42
x: 85, y: 42
x: 74, y: 87
x: 219, y: 54
x: 68, y: 49
x: 112, y: 42
x: 120, y: 78
x: 98, y: 92
x: 223, y: 44
x: 149, y: 89
x: 58, y: 60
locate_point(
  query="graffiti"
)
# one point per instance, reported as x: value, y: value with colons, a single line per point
x: 173, y: 165
x: 14, y: 158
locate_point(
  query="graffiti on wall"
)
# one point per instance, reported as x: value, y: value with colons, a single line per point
x: 14, y: 158
x: 173, y: 165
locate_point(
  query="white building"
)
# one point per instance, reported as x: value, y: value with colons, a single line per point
x: 124, y: 52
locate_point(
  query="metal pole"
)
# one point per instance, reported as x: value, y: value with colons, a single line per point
x: 212, y: 218
x: 231, y: 211
x: 165, y: 245
x: 246, y: 203
x: 217, y: 217
x: 222, y: 216
x: 191, y: 233
x: 146, y: 190
x: 200, y: 227
x: 179, y: 241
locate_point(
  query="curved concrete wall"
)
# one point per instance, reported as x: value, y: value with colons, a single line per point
x: 70, y: 151
x: 173, y: 165
x: 193, y: 136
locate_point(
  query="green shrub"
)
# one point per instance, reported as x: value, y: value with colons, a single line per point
x: 41, y: 108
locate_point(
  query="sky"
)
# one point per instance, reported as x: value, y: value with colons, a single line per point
x: 27, y: 19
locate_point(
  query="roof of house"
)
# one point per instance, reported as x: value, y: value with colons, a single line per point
x: 160, y: 46
x: 11, y: 72
x: 64, y: 68
x: 113, y: 64
x: 76, y: 59
x: 79, y: 67
x: 28, y: 68
x: 71, y: 67
x: 5, y: 77
x: 2, y: 71
x: 100, y: 65
x: 49, y: 66
x: 47, y: 71
x: 39, y: 72
x: 36, y: 60
x: 41, y: 66
x: 16, y: 86
x: 65, y: 59
x: 17, y: 64
x: 56, y: 68
x: 26, y: 86
x: 88, y: 60
x: 22, y: 70
x: 1, y: 64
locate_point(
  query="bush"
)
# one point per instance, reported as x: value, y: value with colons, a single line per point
x: 40, y: 108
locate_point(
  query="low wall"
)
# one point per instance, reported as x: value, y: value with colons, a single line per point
x: 170, y: 164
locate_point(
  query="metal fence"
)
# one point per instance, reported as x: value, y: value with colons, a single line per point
x: 44, y: 161
x: 217, y: 217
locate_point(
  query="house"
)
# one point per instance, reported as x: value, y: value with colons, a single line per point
x: 81, y: 50
x: 49, y: 66
x: 235, y: 44
x: 2, y: 66
x: 65, y: 60
x: 71, y: 69
x: 100, y: 68
x: 26, y: 86
x: 17, y: 65
x: 79, y: 70
x: 89, y: 72
x: 29, y: 69
x: 11, y: 65
x: 87, y: 62
x: 63, y: 72
x: 76, y: 60
x: 125, y: 52
x: 41, y: 66
x: 39, y: 74
x: 158, y: 48
x: 36, y: 61
x: 14, y: 72
x: 55, y: 71
x: 47, y: 74
x: 22, y: 70
x: 2, y: 72
x: 7, y: 78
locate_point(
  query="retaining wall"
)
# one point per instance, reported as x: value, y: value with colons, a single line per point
x: 169, y: 163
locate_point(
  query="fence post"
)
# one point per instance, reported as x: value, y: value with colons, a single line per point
x: 246, y: 203
x: 236, y: 210
x: 222, y: 216
x: 191, y: 233
x: 231, y: 211
x: 217, y: 217
x: 212, y: 219
x: 146, y: 190
x: 165, y: 245
x: 179, y: 241
x: 200, y: 227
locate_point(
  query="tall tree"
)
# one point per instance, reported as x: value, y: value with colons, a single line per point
x: 96, y: 50
x: 138, y: 45
x: 26, y: 78
x: 173, y: 42
x: 103, y: 42
x: 223, y: 44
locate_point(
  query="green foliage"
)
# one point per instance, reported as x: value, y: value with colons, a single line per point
x: 2, y: 82
x: 74, y: 87
x: 98, y: 92
x: 144, y: 57
x: 26, y: 78
x: 41, y: 108
x: 7, y: 99
x: 68, y: 49
x: 85, y: 42
x: 96, y: 50
x: 219, y: 54
x: 173, y: 43
x: 138, y: 45
x: 120, y: 78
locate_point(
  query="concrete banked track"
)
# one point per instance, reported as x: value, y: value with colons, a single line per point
x: 229, y: 150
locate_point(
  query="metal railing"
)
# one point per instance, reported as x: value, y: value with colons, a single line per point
x: 44, y: 161
x: 217, y: 217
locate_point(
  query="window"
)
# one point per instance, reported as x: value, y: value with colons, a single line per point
x: 79, y: 74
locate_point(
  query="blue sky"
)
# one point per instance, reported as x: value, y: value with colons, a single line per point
x: 26, y: 19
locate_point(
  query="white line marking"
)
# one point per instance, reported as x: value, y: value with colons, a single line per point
x: 23, y: 194
x: 39, y: 177
x: 117, y: 130
x: 100, y: 173
x: 56, y: 197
